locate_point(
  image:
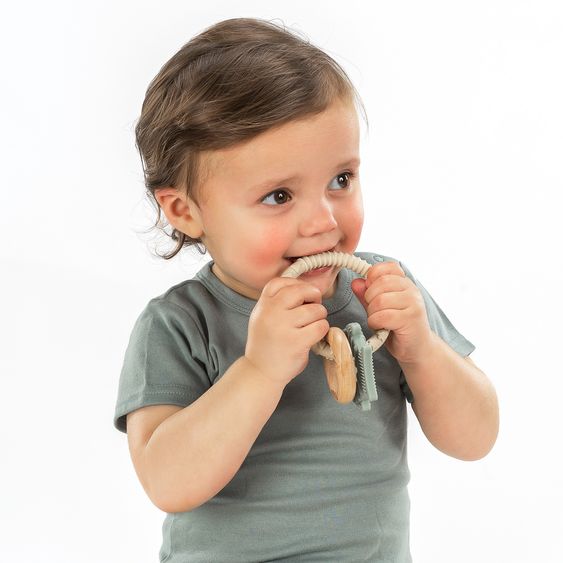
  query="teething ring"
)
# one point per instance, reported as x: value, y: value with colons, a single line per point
x: 337, y: 356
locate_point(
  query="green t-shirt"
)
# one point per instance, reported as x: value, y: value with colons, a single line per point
x: 323, y: 481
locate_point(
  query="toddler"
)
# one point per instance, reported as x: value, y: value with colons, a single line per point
x: 231, y: 426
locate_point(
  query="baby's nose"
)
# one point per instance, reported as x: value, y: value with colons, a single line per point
x: 319, y: 218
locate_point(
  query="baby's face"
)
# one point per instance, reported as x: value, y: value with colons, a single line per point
x: 291, y: 191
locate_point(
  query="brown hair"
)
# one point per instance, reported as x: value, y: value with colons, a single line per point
x: 228, y: 84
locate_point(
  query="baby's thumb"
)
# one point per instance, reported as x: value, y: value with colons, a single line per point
x: 359, y: 288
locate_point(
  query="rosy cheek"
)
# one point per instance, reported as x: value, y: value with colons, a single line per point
x: 269, y: 246
x: 260, y: 260
x: 352, y: 227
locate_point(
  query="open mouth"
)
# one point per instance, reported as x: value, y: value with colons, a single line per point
x: 294, y: 258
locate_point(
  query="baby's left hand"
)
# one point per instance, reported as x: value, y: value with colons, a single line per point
x: 393, y: 301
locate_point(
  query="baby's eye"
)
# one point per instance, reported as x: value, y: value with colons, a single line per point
x: 348, y: 178
x: 276, y: 199
x: 343, y: 177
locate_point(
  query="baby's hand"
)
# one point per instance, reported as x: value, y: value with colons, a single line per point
x: 393, y: 301
x: 286, y: 322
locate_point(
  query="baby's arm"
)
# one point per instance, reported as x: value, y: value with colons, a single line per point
x: 454, y: 401
x: 194, y: 452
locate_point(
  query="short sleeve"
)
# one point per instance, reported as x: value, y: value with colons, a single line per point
x: 166, y: 361
x: 441, y: 325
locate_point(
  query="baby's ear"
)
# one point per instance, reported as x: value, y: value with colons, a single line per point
x: 181, y: 211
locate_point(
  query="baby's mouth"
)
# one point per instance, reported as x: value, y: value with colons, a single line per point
x: 294, y: 258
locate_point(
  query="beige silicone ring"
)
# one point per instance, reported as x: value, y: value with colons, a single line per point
x: 342, y: 260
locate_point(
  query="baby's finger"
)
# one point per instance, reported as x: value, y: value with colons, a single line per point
x: 382, y: 269
x: 275, y: 284
x: 315, y: 331
x: 292, y: 292
x: 307, y: 314
x: 359, y: 288
x: 294, y: 296
x: 386, y: 284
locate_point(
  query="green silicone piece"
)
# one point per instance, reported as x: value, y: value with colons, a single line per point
x: 366, y: 389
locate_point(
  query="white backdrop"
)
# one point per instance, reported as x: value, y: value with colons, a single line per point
x: 461, y: 175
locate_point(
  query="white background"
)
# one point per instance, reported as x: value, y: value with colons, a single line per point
x: 461, y: 175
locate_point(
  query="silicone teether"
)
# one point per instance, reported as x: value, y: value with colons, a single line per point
x: 347, y: 354
x: 363, y: 358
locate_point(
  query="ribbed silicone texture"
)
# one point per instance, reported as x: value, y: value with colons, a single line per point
x: 366, y: 390
x: 341, y: 260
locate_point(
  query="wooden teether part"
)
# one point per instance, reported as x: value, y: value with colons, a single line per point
x: 340, y: 372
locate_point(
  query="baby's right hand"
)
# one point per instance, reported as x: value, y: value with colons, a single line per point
x: 285, y: 323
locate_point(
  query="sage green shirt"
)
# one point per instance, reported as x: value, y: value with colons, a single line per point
x: 323, y: 481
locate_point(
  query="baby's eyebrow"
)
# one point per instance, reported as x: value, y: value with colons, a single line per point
x: 355, y: 161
